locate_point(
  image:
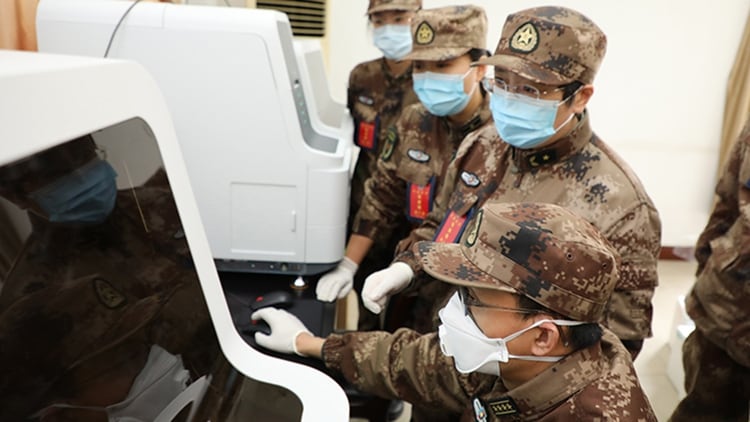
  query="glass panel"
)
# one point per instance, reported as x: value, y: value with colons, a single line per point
x: 101, y: 303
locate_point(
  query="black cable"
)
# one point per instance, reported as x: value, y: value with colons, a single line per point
x: 112, y: 37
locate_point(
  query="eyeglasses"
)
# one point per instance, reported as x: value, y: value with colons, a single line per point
x: 470, y: 301
x: 526, y: 90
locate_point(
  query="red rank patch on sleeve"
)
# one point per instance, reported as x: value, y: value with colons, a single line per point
x: 451, y: 228
x: 366, y: 135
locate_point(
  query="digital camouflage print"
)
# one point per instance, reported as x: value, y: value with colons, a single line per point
x: 550, y: 45
x: 542, y: 251
x: 445, y: 33
x: 383, y: 5
x: 716, y: 356
x: 410, y: 170
x: 581, y: 173
x: 376, y: 99
x: 546, y: 253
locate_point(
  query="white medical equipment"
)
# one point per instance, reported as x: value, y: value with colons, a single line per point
x: 267, y: 151
x: 50, y: 99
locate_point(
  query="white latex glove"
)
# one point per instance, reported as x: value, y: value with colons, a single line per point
x: 338, y: 282
x: 285, y: 328
x: 384, y: 283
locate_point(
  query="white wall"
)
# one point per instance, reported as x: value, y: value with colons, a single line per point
x: 659, y: 94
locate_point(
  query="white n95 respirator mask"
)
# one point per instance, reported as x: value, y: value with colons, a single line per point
x: 471, y: 350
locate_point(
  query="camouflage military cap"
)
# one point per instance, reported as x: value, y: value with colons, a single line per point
x: 542, y: 251
x: 70, y: 331
x: 447, y: 32
x: 550, y: 45
x: 384, y: 5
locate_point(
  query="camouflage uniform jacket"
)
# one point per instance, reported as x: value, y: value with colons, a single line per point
x: 411, y: 168
x: 596, y: 383
x: 375, y: 99
x: 579, y: 172
x: 718, y: 302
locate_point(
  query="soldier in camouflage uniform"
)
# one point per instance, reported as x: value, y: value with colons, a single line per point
x: 520, y: 340
x: 716, y: 356
x: 378, y: 91
x: 103, y: 285
x: 545, y: 64
x: 420, y: 145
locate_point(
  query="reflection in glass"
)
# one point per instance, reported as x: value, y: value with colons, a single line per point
x: 101, y: 310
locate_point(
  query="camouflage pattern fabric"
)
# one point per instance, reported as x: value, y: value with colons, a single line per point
x: 717, y: 387
x: 550, y: 45
x: 375, y: 99
x: 542, y: 251
x: 420, y: 146
x: 445, y: 33
x: 596, y: 383
x: 132, y: 287
x: 719, y: 353
x: 719, y: 298
x: 382, y: 5
x: 579, y: 172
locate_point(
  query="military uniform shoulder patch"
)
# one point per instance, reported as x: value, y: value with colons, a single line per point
x: 107, y: 294
x: 525, y: 39
x: 424, y: 33
x: 391, y: 138
x: 470, y: 179
x: 418, y: 155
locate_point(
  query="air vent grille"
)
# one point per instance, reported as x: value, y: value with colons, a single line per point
x: 306, y: 16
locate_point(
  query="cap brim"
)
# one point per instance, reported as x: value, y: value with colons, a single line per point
x: 436, y: 54
x: 525, y: 69
x: 448, y: 262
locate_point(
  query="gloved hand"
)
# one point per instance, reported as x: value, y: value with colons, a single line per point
x: 338, y: 282
x: 384, y: 283
x: 285, y: 328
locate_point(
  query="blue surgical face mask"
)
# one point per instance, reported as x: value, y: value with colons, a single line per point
x: 86, y: 195
x: 522, y: 121
x: 442, y: 94
x: 393, y: 40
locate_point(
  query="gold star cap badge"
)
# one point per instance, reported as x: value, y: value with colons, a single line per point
x: 525, y: 39
x: 424, y: 34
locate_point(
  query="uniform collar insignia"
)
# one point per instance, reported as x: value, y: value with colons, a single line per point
x: 561, y: 150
